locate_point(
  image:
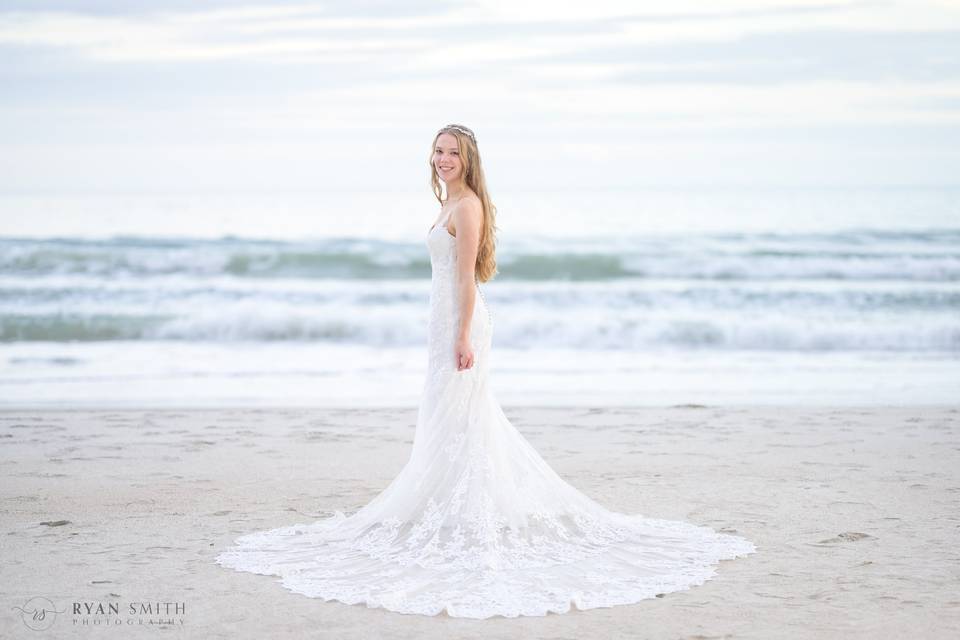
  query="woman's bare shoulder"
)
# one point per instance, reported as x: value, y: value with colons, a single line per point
x: 471, y: 205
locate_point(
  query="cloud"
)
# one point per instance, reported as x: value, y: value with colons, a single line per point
x: 298, y: 83
x: 263, y: 7
x: 783, y: 57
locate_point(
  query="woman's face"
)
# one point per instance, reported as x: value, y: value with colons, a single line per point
x: 446, y: 158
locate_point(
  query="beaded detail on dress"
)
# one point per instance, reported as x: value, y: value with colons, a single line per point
x: 476, y: 523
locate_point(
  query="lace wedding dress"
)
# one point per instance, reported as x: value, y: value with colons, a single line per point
x: 477, y: 523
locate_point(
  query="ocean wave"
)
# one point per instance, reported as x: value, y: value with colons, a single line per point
x: 856, y: 291
x: 776, y: 332
x: 181, y: 296
x: 912, y: 256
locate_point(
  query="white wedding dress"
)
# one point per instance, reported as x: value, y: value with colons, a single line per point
x: 477, y: 523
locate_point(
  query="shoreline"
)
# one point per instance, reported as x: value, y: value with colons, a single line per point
x: 39, y: 408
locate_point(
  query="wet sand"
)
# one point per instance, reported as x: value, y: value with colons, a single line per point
x: 854, y: 512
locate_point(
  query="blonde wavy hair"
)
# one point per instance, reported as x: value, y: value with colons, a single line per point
x: 486, y: 266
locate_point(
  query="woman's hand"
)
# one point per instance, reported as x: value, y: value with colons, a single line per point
x: 464, y: 353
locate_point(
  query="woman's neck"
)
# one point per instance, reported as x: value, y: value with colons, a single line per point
x: 456, y: 190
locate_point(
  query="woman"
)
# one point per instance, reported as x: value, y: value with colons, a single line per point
x: 476, y: 523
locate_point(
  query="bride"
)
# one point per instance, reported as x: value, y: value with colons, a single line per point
x: 477, y: 523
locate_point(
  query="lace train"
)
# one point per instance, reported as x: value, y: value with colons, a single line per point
x: 484, y: 570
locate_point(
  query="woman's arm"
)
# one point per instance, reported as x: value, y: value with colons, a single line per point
x: 468, y: 217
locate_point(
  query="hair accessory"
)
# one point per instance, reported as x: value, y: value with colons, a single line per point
x: 461, y: 129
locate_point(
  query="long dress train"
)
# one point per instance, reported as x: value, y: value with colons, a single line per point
x: 476, y: 523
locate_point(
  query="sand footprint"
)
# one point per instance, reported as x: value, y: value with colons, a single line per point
x: 846, y: 536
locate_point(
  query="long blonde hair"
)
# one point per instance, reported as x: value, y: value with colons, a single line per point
x: 473, y: 177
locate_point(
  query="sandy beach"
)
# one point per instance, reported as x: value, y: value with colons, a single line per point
x: 854, y: 512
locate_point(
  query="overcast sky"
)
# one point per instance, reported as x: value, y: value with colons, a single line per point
x: 118, y: 95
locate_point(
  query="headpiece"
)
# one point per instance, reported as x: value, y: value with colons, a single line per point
x: 461, y: 129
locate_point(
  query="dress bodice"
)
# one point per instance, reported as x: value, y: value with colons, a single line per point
x: 444, y: 321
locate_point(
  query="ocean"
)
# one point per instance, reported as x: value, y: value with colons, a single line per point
x: 736, y: 295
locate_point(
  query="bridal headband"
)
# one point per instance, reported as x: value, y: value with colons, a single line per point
x: 461, y: 129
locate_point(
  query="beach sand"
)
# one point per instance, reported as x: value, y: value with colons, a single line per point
x: 854, y: 512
